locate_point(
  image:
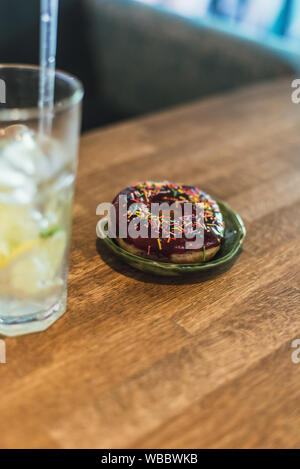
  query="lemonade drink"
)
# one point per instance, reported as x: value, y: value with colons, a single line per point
x: 36, y: 191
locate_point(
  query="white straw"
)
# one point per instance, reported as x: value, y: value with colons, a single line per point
x: 48, y: 39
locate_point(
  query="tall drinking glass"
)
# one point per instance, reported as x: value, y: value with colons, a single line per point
x: 37, y: 175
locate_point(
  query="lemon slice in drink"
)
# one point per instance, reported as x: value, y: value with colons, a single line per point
x: 18, y: 232
x: 37, y: 271
x: 17, y: 224
x: 5, y: 259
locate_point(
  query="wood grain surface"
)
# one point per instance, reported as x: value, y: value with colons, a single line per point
x: 145, y: 362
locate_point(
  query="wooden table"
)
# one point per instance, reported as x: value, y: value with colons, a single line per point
x: 140, y: 361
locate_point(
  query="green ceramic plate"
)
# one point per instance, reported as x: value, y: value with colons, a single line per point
x: 235, y: 233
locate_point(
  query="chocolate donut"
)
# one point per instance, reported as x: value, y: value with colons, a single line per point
x: 166, y: 246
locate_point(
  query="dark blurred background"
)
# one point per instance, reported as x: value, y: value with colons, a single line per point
x: 139, y: 56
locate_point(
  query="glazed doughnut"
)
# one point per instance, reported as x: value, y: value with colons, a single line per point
x: 168, y: 248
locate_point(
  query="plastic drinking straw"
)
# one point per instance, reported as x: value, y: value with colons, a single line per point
x: 48, y: 40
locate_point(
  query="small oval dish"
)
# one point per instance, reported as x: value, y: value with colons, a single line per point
x: 235, y: 233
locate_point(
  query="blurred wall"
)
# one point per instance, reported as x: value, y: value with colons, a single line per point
x: 135, y: 59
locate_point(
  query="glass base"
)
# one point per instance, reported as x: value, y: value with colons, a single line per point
x: 13, y: 326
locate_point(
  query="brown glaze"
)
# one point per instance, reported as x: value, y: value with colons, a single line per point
x: 162, y: 243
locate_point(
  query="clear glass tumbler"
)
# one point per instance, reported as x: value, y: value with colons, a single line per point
x: 37, y: 175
